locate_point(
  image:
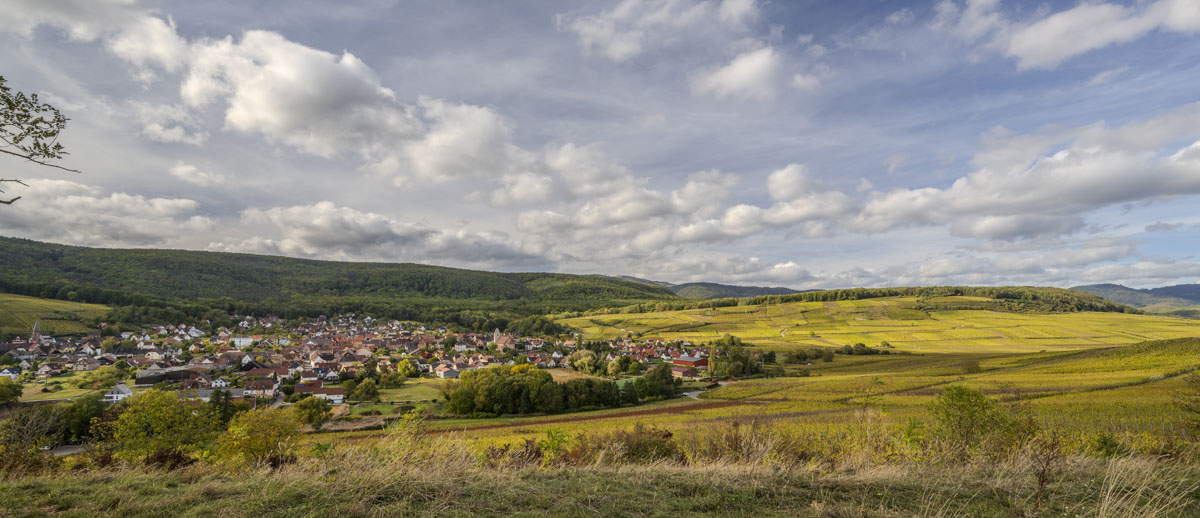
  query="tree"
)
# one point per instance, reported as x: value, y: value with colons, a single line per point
x: 614, y: 368
x: 313, y: 411
x: 629, y: 394
x: 366, y: 391
x: 10, y: 392
x: 406, y: 368
x: 635, y: 368
x: 392, y: 380
x: 221, y: 407
x: 260, y: 436
x: 29, y: 130
x: 160, y: 429
x: 79, y: 415
x: 584, y: 361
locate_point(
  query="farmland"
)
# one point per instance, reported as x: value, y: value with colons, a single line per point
x: 1084, y: 373
x: 18, y: 313
x: 891, y: 320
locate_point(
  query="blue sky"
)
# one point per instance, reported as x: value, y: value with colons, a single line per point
x: 805, y: 144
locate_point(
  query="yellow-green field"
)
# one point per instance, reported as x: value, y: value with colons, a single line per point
x: 18, y: 313
x: 892, y: 320
x: 1083, y: 373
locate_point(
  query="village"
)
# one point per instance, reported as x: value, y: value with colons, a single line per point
x: 262, y: 361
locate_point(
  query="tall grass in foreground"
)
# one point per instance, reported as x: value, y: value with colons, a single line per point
x: 641, y: 471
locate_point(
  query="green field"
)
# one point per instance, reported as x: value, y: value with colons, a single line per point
x: 59, y: 317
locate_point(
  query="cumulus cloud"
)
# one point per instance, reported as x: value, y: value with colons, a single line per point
x: 703, y: 192
x: 70, y: 212
x: 751, y: 75
x: 317, y: 102
x: 463, y: 141
x: 193, y: 175
x: 326, y: 230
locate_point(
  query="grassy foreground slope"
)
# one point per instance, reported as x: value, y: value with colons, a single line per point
x: 18, y: 314
x: 896, y: 320
x: 458, y: 487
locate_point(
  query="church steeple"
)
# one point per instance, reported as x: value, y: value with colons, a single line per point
x: 37, y: 332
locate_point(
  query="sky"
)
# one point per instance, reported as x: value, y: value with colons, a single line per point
x: 807, y: 144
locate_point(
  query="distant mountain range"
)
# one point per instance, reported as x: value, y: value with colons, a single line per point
x: 1154, y: 298
x: 712, y: 290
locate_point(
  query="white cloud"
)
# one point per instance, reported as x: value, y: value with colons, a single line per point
x: 751, y: 75
x: 327, y: 230
x: 738, y: 12
x: 789, y: 183
x: 193, y: 175
x: 464, y: 141
x: 703, y: 192
x: 70, y: 212
x: 169, y: 123
x: 1047, y: 40
x: 1107, y: 76
x: 901, y: 17
x: 319, y: 103
x: 1016, y: 195
x: 633, y: 27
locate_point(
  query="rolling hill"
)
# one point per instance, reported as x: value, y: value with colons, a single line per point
x: 194, y: 282
x: 1158, y: 299
x: 712, y: 290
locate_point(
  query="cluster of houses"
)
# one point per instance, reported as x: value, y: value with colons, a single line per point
x: 309, y: 357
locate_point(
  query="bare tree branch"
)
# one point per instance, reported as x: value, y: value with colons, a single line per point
x: 39, y: 162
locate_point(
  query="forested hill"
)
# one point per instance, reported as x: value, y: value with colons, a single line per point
x: 1181, y: 295
x: 194, y: 281
x: 712, y: 290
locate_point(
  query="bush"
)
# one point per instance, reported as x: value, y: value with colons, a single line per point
x: 313, y: 411
x: 965, y: 419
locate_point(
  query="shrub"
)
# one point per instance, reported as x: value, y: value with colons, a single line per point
x: 965, y: 418
x: 313, y: 411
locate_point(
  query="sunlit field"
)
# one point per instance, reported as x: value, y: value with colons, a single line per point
x: 891, y: 320
x: 18, y: 314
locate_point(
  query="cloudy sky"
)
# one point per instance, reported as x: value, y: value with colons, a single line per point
x: 806, y: 143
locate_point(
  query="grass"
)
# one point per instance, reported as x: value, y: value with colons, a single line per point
x: 18, y: 314
x: 33, y: 390
x: 440, y: 477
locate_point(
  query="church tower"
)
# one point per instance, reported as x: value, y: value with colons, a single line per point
x: 36, y: 337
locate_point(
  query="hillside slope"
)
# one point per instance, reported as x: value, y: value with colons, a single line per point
x: 1185, y: 295
x: 712, y: 290
x: 280, y: 284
